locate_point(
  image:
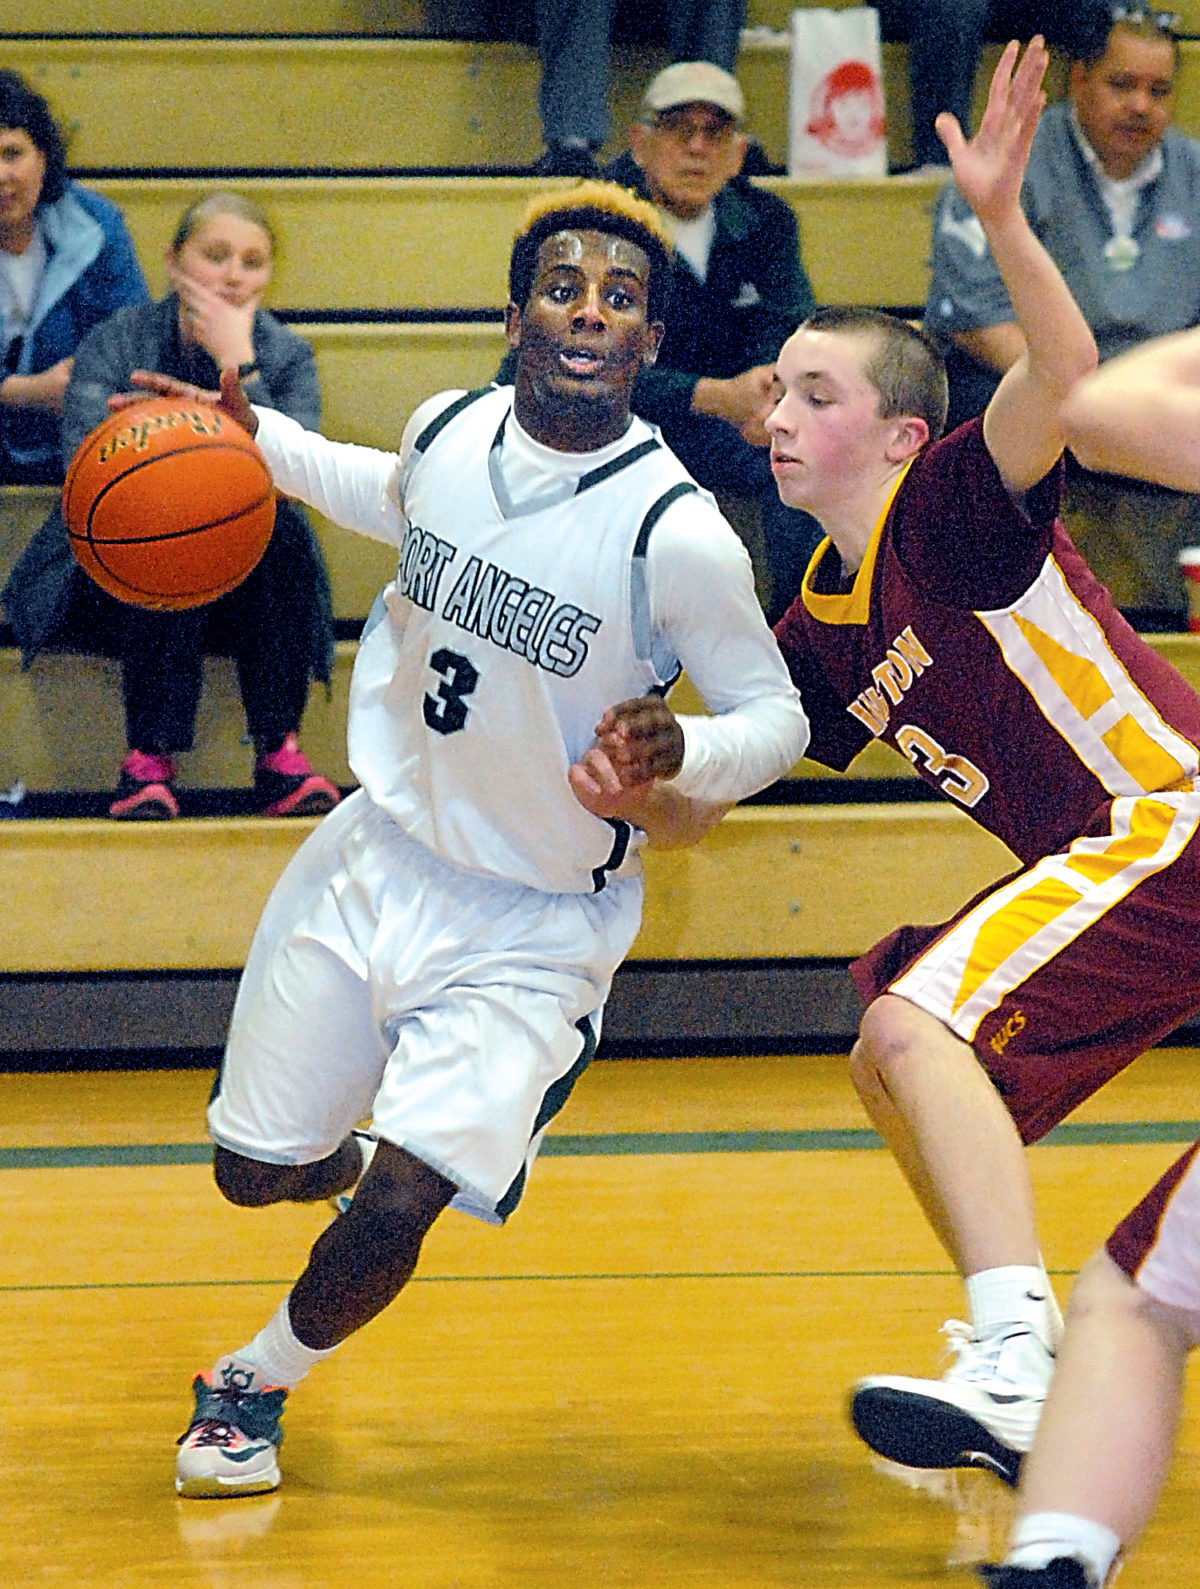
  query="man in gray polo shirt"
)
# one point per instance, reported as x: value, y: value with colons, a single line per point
x: 1113, y: 192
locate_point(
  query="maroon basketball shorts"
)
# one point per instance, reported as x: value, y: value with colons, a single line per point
x: 1062, y: 974
x: 1158, y: 1244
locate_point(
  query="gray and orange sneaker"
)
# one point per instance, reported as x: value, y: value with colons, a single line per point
x: 144, y: 792
x: 285, y: 784
x: 231, y: 1446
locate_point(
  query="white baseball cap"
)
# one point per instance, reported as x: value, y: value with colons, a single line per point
x: 694, y: 83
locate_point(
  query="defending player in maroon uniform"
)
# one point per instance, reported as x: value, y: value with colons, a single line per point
x: 950, y: 614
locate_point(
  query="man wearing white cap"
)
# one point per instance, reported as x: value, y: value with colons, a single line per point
x: 739, y: 292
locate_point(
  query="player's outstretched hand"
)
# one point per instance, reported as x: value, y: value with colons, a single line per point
x: 990, y: 167
x: 231, y: 399
x: 641, y: 739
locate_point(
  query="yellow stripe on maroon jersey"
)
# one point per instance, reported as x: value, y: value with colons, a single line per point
x: 1022, y: 925
x: 1060, y: 653
x: 854, y: 605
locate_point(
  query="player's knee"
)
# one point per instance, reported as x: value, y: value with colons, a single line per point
x: 885, y: 1039
x: 401, y: 1193
x: 248, y: 1183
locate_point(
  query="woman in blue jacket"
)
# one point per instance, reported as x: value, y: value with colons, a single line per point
x: 67, y: 262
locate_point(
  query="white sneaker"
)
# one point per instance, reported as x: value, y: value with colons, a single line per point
x: 231, y: 1446
x: 982, y: 1413
x: 367, y: 1144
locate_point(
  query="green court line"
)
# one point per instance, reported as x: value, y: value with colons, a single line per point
x: 490, y: 1279
x: 616, y: 1144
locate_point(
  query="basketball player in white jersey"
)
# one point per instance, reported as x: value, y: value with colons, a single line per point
x: 438, y: 953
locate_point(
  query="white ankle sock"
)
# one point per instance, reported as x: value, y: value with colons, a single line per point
x: 1042, y: 1536
x: 276, y: 1354
x: 1014, y: 1294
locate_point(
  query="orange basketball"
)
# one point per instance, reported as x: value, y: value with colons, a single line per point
x: 168, y: 504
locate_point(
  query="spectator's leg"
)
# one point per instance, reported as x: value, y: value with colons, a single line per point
x: 573, y: 43
x: 162, y: 673
x: 266, y: 622
x: 707, y: 30
x: 1131, y: 536
x: 945, y: 38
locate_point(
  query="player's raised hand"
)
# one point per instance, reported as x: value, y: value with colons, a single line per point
x: 990, y: 167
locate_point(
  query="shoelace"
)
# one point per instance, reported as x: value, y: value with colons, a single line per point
x: 225, y: 1412
x: 973, y: 1358
x: 210, y: 1432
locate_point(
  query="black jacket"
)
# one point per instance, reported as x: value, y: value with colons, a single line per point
x: 755, y: 295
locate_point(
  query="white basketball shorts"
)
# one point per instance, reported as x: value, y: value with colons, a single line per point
x: 455, y: 1010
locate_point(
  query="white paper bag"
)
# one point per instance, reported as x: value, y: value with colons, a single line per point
x: 836, y: 109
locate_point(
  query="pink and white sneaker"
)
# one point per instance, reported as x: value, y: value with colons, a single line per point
x: 144, y: 792
x: 285, y: 784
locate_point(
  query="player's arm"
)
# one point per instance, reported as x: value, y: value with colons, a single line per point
x: 703, y: 606
x: 1023, y: 421
x: 1139, y: 414
x: 356, y: 487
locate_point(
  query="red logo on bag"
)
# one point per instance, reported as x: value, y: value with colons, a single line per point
x: 846, y: 110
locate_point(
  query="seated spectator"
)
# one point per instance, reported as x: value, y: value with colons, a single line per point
x: 278, y: 623
x: 739, y: 292
x: 66, y: 263
x: 945, y: 41
x: 1113, y: 191
x: 574, y: 44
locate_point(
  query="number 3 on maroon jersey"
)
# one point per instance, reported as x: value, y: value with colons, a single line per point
x: 962, y: 779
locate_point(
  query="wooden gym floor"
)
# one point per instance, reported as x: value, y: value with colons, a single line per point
x: 639, y: 1381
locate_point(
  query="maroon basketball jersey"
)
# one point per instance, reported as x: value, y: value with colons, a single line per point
x: 976, y: 641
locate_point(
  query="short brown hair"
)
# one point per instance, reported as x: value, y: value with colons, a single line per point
x: 903, y: 365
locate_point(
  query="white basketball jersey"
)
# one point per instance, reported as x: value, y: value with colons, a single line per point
x: 486, y: 665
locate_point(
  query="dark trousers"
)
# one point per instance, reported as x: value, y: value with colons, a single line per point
x: 718, y: 457
x: 162, y: 656
x: 946, y: 37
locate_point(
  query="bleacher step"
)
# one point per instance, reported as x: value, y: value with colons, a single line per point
x: 769, y: 882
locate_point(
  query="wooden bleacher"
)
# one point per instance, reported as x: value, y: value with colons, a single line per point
x: 442, y: 243
x: 401, y: 103
x: 782, y: 881
x: 322, y: 118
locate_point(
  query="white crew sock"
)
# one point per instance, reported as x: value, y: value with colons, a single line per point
x: 1014, y: 1294
x: 275, y: 1354
x: 1042, y: 1536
